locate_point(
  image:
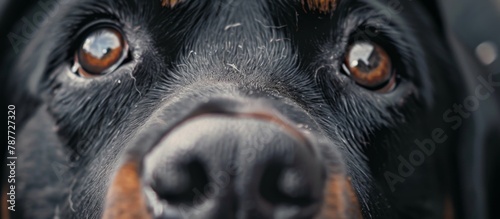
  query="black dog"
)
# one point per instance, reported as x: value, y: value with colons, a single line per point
x: 230, y: 109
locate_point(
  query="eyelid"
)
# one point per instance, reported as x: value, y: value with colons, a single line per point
x: 85, y: 29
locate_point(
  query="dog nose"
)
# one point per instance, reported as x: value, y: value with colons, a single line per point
x: 220, y: 166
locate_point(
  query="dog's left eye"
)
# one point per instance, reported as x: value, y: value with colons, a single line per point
x: 101, y: 51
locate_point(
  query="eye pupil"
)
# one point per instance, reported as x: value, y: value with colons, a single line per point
x: 101, y: 52
x: 364, y: 57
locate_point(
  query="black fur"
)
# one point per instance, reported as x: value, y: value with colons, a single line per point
x: 72, y: 132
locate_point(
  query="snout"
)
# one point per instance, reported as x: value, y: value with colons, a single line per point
x: 213, y: 163
x: 226, y: 163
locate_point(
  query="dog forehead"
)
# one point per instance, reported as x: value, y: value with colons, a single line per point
x: 242, y: 33
x: 323, y: 6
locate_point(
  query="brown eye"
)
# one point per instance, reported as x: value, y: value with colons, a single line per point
x: 370, y: 66
x: 101, y: 52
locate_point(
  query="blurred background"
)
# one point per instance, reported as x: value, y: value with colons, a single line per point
x: 473, y: 31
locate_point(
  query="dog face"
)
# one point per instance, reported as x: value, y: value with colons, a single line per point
x: 231, y: 109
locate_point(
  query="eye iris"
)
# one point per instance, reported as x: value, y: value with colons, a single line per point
x: 101, y: 52
x: 369, y: 64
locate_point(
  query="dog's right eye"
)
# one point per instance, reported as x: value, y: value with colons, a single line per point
x: 370, y: 66
x: 100, y: 52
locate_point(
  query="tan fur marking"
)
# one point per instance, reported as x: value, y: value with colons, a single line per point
x: 323, y: 6
x: 170, y: 3
x: 125, y: 199
x: 449, y: 210
x: 340, y: 201
x: 4, y: 206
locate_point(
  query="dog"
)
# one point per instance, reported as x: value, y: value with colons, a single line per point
x: 230, y: 109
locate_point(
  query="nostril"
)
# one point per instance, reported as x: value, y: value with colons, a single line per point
x: 282, y: 185
x: 178, y: 184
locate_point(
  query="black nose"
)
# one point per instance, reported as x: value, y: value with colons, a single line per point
x: 227, y: 166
